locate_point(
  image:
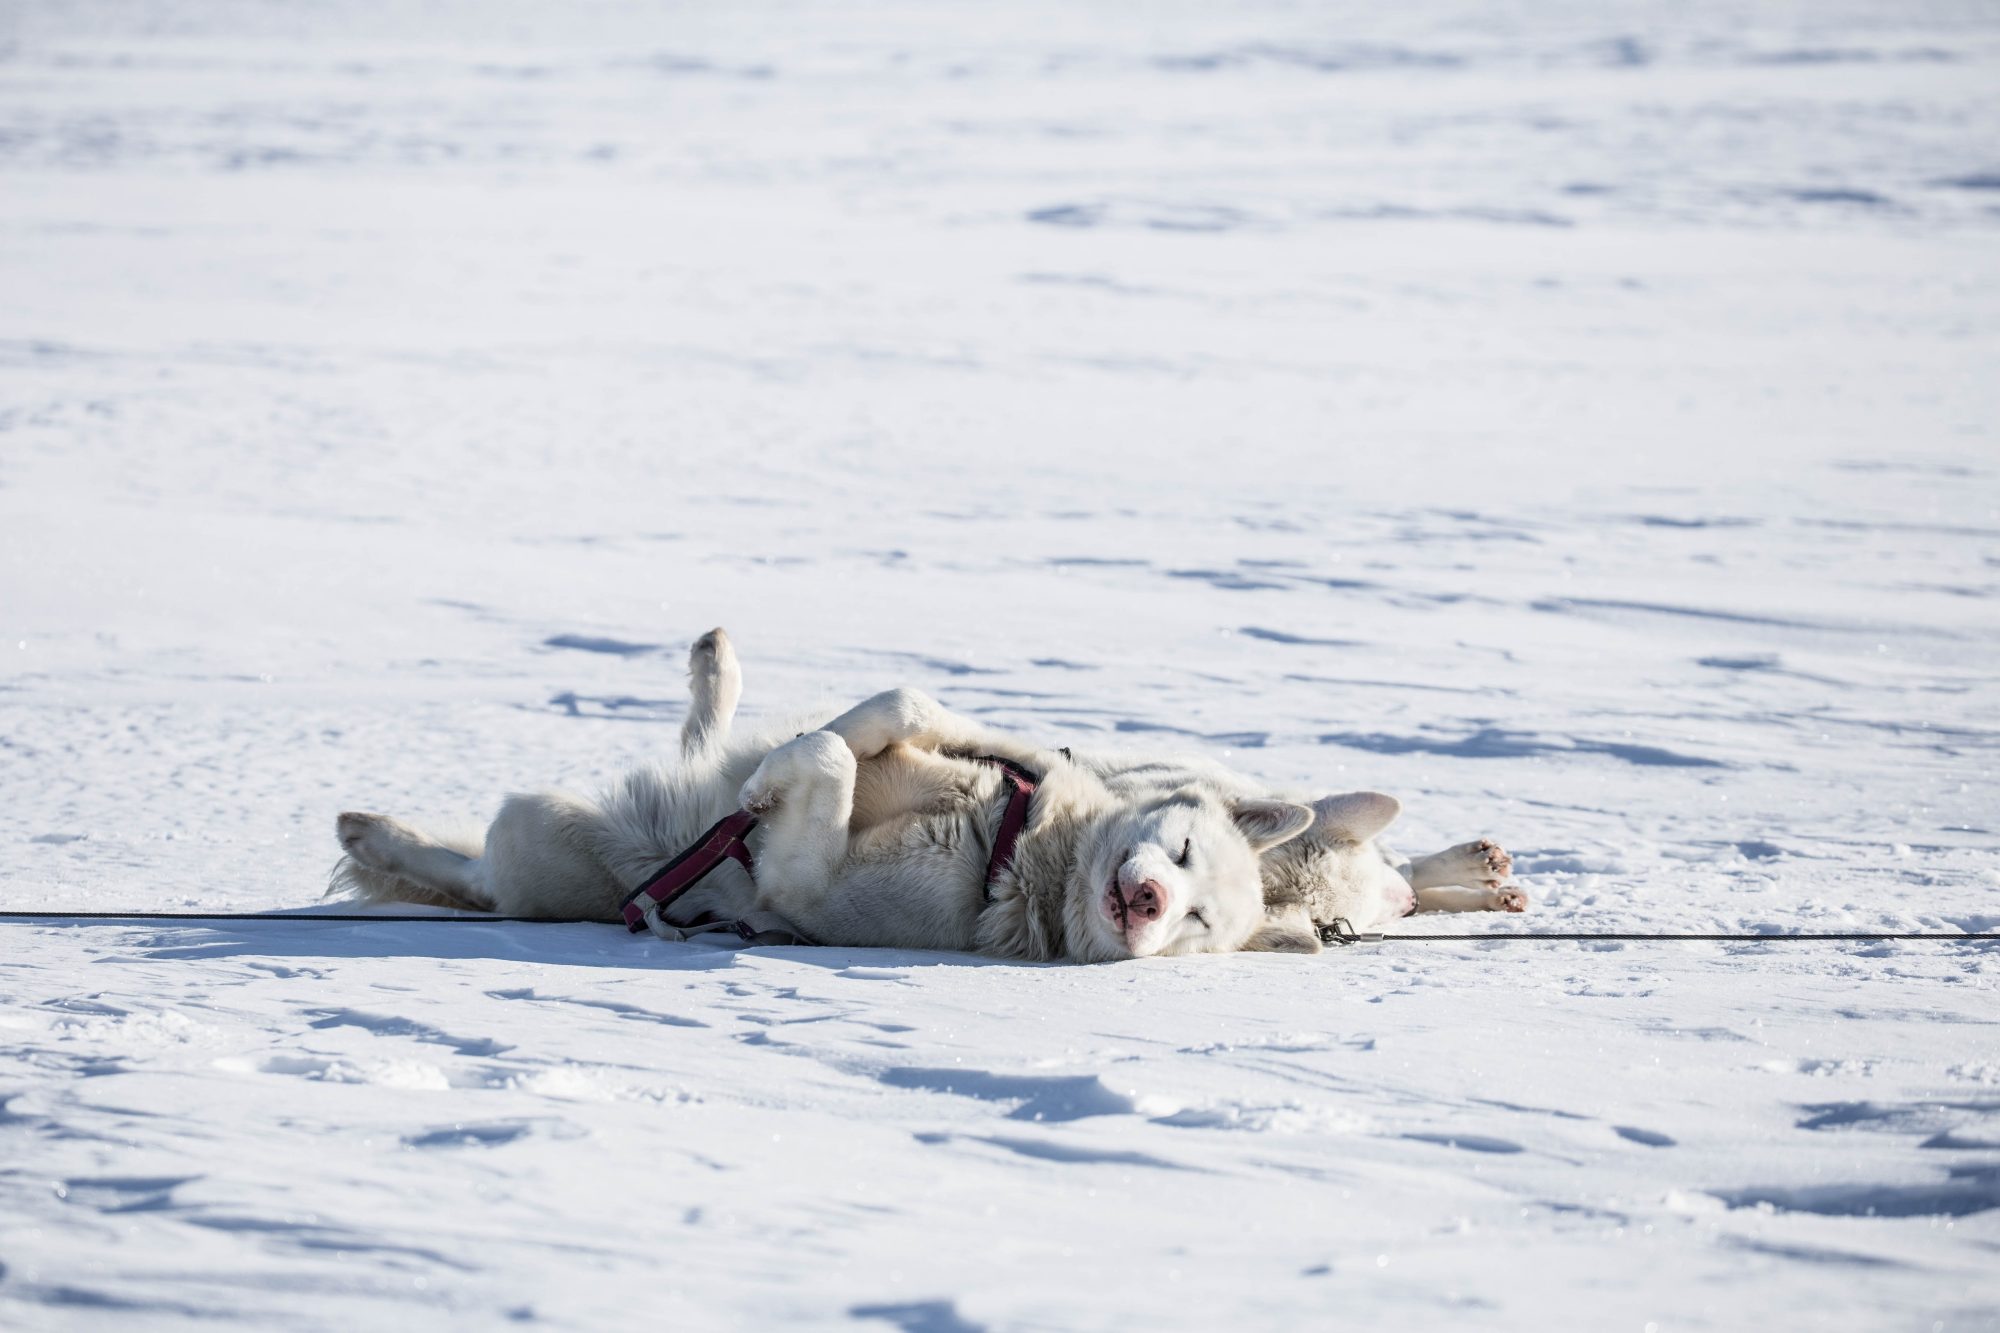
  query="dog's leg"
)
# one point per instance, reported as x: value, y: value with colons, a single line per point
x: 715, y: 683
x: 1470, y: 877
x: 379, y: 843
x: 1472, y: 865
x: 1487, y: 898
x: 913, y: 718
x: 803, y: 793
x: 542, y: 860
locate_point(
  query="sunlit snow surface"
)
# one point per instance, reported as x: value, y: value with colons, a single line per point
x: 1576, y: 419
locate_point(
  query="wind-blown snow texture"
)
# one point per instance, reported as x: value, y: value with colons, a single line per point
x: 1576, y: 419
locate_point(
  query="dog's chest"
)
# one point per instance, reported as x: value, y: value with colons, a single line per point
x: 927, y: 814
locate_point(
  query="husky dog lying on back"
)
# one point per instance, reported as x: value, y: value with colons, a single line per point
x: 876, y: 830
x: 1338, y: 869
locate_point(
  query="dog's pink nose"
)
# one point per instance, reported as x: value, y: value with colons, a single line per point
x: 1127, y: 903
x: 1147, y: 901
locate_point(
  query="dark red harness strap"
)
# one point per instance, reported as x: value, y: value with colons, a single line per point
x: 724, y: 842
x: 1023, y: 784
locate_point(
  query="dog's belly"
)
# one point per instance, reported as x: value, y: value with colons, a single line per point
x: 916, y: 881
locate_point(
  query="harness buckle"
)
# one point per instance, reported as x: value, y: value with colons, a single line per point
x: 1341, y: 931
x: 654, y: 917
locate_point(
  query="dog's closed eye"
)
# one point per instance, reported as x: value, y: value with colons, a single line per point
x: 1187, y: 852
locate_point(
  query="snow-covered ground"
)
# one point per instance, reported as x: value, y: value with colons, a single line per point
x: 1578, y: 419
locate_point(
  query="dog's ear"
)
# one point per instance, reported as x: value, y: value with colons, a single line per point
x: 1268, y: 823
x: 1356, y: 816
x: 1287, y: 931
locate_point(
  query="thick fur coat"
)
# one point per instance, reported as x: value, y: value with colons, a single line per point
x: 876, y: 830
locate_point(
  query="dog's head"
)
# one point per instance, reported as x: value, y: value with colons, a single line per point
x: 1334, y: 870
x: 1179, y: 874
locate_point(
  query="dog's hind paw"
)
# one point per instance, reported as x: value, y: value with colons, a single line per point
x: 1494, y: 862
x: 1481, y: 864
x: 370, y: 839
x: 352, y: 828
x: 712, y: 656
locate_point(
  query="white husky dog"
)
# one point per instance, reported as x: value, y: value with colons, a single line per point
x: 1338, y: 870
x: 876, y: 830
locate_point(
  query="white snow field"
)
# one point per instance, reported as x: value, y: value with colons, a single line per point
x: 1575, y: 418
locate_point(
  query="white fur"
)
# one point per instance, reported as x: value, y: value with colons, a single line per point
x: 875, y: 830
x: 1338, y: 870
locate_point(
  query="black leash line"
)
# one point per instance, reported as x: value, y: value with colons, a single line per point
x: 1329, y: 934
x: 265, y: 916
x: 1340, y: 932
x: 1663, y: 935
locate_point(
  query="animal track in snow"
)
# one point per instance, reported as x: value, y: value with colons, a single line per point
x: 123, y: 1194
x: 593, y: 643
x: 1040, y: 1097
x: 1468, y: 1142
x: 1049, y: 1150
x: 622, y: 1010
x: 1651, y: 1138
x: 412, y: 1074
x: 387, y: 1025
x: 490, y: 1135
x: 919, y: 1317
x: 1942, y: 1122
x: 1963, y: 1192
x: 1283, y: 1118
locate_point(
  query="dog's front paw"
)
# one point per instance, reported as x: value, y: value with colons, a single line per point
x: 1510, y: 899
x: 779, y: 769
x: 760, y: 794
x: 802, y: 765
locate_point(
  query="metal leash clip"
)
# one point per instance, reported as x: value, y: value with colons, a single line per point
x: 1341, y: 931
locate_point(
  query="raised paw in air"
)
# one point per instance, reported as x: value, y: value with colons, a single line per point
x: 379, y: 842
x: 712, y: 657
x: 363, y: 837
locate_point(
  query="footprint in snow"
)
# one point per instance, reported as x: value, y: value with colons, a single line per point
x: 490, y: 1135
x: 1469, y: 1142
x: 919, y: 1317
x: 1652, y: 1138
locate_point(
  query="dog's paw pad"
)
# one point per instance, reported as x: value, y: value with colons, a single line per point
x: 1510, y: 899
x: 1491, y: 859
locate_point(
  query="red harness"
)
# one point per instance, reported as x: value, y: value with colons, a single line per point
x: 645, y: 907
x: 1022, y: 786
